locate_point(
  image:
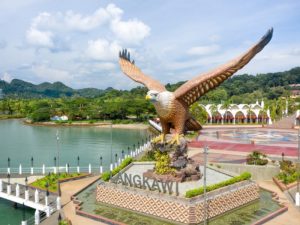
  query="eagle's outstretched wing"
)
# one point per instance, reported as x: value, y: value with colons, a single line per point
x: 192, y: 90
x: 132, y: 71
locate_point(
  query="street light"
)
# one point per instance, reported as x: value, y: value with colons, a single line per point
x: 78, y: 160
x: 101, y: 160
x: 8, y: 179
x: 204, y: 184
x: 26, y: 183
x: 111, y: 154
x: 57, y: 145
x: 298, y: 170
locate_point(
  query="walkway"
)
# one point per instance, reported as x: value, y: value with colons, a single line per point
x: 292, y: 216
x: 70, y: 188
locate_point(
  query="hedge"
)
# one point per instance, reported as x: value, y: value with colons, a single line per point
x: 106, y: 175
x: 199, y: 191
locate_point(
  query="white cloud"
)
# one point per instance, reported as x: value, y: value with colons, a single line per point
x: 72, y: 21
x: 203, y: 50
x: 104, y: 66
x: 39, y: 38
x: 6, y: 77
x: 51, y: 74
x: 101, y: 49
x: 47, y: 26
x: 131, y: 31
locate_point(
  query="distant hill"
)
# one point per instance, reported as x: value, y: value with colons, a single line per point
x: 22, y: 89
x: 269, y: 85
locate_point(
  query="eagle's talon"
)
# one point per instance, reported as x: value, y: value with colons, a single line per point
x: 159, y: 139
x: 175, y: 139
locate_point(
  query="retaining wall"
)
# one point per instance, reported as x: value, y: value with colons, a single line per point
x: 188, y: 211
x: 258, y: 173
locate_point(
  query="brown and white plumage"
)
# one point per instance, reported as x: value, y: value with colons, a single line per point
x: 172, y: 107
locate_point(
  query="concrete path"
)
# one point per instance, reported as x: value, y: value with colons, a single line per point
x: 292, y: 216
x: 70, y: 188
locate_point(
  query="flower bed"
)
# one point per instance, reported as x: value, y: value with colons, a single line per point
x: 200, y: 191
x: 51, y: 180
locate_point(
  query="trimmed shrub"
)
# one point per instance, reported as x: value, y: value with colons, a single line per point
x: 200, y: 191
x: 257, y: 158
x: 106, y: 175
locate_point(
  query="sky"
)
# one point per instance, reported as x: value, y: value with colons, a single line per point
x: 77, y: 42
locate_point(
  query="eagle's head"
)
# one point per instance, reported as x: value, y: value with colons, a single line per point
x: 152, y: 96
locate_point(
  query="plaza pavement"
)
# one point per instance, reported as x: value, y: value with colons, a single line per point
x: 247, y: 148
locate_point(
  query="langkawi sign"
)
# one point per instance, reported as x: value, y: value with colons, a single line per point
x: 142, y: 182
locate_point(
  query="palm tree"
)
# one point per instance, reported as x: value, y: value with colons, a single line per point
x: 213, y: 110
x: 250, y: 108
x: 227, y: 106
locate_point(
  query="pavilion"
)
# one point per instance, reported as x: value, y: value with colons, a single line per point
x: 238, y: 113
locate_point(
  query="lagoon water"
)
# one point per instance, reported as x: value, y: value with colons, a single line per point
x: 20, y: 142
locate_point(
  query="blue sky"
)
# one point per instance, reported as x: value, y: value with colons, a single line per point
x: 77, y: 42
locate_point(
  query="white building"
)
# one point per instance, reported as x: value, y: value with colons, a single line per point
x: 59, y: 118
x: 238, y: 113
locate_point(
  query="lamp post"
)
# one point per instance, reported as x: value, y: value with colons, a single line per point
x: 8, y: 179
x: 111, y: 153
x: 204, y: 184
x: 26, y: 189
x: 8, y: 165
x: 101, y: 168
x: 298, y: 172
x: 26, y: 183
x: 47, y: 194
x: 57, y: 145
x: 31, y: 165
x: 78, y: 168
x: 116, y: 160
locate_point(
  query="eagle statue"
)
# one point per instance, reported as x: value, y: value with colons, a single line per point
x: 173, y: 107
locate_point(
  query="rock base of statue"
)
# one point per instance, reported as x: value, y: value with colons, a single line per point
x: 185, y: 169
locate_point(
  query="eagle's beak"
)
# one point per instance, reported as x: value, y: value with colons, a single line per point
x: 148, y: 97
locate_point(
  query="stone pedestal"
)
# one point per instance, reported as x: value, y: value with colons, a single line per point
x: 185, y: 168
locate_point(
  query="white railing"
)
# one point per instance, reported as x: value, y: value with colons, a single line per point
x: 88, y: 168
